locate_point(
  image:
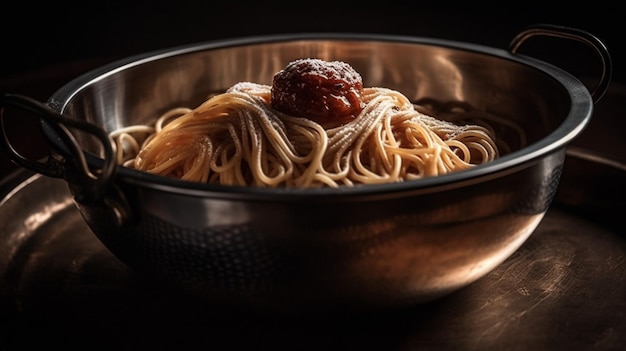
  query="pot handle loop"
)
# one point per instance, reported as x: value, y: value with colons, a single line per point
x: 90, y: 186
x: 574, y: 34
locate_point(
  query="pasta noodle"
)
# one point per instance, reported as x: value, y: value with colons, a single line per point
x: 236, y: 138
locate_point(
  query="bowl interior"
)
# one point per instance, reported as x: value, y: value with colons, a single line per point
x: 528, y: 93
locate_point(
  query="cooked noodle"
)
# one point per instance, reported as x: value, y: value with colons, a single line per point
x: 235, y: 138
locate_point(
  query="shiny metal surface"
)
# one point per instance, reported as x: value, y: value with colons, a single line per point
x: 532, y: 93
x: 563, y: 288
x: 376, y: 246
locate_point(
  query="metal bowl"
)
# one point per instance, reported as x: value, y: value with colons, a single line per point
x: 369, y: 246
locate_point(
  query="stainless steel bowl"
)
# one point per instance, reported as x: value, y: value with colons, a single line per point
x: 371, y: 246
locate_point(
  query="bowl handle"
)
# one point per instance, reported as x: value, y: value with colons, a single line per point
x: 573, y: 34
x: 90, y: 187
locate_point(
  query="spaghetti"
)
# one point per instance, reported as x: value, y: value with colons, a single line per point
x: 237, y: 138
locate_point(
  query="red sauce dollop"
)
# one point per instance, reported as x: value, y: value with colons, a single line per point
x: 327, y: 92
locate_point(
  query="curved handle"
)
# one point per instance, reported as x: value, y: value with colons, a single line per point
x: 90, y: 186
x: 574, y: 34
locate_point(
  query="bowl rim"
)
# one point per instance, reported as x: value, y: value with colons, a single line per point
x: 579, y: 115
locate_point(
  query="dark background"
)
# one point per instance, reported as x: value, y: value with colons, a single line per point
x: 46, y: 44
x: 36, y: 34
